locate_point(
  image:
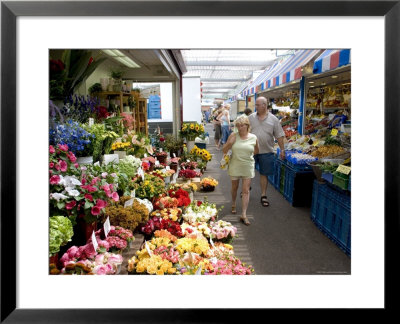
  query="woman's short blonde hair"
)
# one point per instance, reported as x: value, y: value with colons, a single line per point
x: 242, y: 119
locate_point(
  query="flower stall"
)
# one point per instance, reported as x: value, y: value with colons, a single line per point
x: 123, y: 202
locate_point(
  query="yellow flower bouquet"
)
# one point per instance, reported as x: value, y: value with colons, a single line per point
x: 191, y: 130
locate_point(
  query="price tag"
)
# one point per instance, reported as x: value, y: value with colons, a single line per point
x: 129, y: 203
x: 343, y: 169
x: 187, y: 160
x: 94, y: 241
x: 147, y: 248
x: 145, y: 155
x: 91, y: 122
x: 190, y: 257
x: 211, y: 241
x: 334, y: 132
x: 141, y: 173
x: 160, y: 149
x: 157, y: 162
x: 107, y: 226
x: 198, y: 272
x: 174, y: 155
x: 97, y: 163
x: 133, y: 192
x: 167, y: 168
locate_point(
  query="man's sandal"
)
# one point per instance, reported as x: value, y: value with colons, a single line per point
x: 233, y: 210
x: 264, y: 201
x: 244, y: 220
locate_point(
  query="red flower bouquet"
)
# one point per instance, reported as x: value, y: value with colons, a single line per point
x: 181, y: 195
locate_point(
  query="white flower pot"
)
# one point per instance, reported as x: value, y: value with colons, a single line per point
x: 85, y: 160
x: 121, y: 154
x: 190, y: 145
x: 107, y: 158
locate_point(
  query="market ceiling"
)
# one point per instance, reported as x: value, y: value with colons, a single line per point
x: 225, y: 72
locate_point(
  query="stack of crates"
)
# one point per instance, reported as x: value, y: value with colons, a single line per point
x: 331, y: 212
x: 272, y: 178
x: 298, y: 186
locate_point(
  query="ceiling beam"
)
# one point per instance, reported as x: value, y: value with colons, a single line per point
x: 217, y: 87
x: 223, y: 80
x: 229, y: 63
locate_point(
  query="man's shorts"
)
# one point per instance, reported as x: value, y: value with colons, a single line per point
x: 264, y: 163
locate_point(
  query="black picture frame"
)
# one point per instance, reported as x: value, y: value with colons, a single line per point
x: 10, y: 10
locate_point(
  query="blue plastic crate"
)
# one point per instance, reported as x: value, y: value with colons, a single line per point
x: 327, y: 176
x: 271, y: 178
x: 331, y: 217
x: 201, y: 145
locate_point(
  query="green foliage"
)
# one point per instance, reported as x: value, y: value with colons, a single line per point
x: 78, y: 65
x: 96, y: 87
x: 60, y: 233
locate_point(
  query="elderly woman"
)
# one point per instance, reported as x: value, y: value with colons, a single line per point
x: 241, y: 165
x: 225, y: 123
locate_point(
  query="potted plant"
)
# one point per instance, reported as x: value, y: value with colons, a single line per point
x: 161, y: 156
x: 173, y: 145
x: 77, y: 138
x: 96, y: 87
x: 190, y: 131
x: 116, y: 76
x: 60, y: 233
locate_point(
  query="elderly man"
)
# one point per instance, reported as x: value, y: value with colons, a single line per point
x: 266, y: 127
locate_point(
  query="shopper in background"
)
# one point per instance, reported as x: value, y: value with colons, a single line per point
x: 225, y: 123
x: 266, y: 127
x: 248, y: 111
x: 217, y: 128
x: 244, y: 146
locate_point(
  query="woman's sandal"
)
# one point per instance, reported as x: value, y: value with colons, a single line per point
x: 233, y: 210
x: 264, y: 201
x: 244, y: 220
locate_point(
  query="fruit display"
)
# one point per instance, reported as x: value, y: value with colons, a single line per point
x: 327, y: 150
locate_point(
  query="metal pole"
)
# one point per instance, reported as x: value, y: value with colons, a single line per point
x: 302, y: 107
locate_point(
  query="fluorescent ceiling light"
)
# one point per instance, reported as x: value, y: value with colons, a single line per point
x: 120, y: 57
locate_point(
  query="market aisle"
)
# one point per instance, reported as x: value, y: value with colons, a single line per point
x: 281, y: 239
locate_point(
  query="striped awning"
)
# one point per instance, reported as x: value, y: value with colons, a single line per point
x: 331, y: 59
x: 283, y: 72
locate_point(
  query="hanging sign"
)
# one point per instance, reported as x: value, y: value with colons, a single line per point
x: 107, y: 226
x: 343, y: 169
x: 94, y: 241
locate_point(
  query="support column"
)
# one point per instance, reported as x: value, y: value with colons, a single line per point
x: 302, y: 107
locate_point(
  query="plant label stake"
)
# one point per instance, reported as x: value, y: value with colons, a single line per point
x: 133, y: 193
x: 145, y: 155
x: 174, y: 155
x: 129, y: 203
x: 160, y: 149
x: 147, y: 248
x: 167, y: 168
x: 157, y: 162
x: 107, y: 226
x: 198, y: 272
x: 211, y: 241
x: 94, y: 241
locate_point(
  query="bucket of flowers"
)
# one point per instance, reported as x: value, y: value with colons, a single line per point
x: 208, y: 184
x: 188, y: 174
x: 161, y: 156
x: 200, y: 212
x: 120, y: 148
x: 222, y: 231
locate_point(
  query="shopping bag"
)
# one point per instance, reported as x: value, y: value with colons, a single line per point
x: 225, y: 160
